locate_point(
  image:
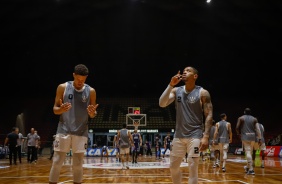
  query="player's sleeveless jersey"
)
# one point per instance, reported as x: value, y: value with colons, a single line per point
x: 116, y: 141
x: 248, y: 129
x: 157, y: 141
x: 136, y: 138
x: 189, y: 114
x: 168, y: 140
x: 223, y: 135
x: 124, y: 139
x: 75, y: 121
x: 211, y: 135
x: 148, y: 145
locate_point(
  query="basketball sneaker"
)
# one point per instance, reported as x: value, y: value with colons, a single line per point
x: 246, y: 169
x: 251, y: 172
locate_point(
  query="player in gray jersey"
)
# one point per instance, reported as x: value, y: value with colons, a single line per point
x: 193, y: 110
x: 260, y: 147
x: 214, y: 147
x: 116, y: 146
x: 125, y: 140
x: 75, y: 102
x: 247, y: 129
x: 223, y: 134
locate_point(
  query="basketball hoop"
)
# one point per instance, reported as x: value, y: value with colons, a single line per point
x: 136, y: 124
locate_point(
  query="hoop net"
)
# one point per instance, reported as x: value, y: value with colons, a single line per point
x: 136, y: 124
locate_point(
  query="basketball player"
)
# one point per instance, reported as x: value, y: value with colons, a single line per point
x: 261, y: 147
x: 125, y: 138
x: 148, y: 146
x: 193, y: 108
x: 167, y: 142
x: 75, y: 102
x: 214, y: 148
x: 104, y: 151
x: 137, y: 141
x: 223, y: 134
x: 116, y: 146
x: 157, y: 147
x: 247, y: 129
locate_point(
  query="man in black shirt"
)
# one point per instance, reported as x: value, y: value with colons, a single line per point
x: 11, y: 141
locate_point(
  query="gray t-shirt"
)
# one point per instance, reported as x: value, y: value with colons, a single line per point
x: 31, y: 139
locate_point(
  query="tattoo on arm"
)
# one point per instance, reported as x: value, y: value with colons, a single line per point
x: 208, y: 111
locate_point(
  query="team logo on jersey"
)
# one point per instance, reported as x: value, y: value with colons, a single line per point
x: 192, y: 99
x: 70, y: 96
x: 83, y: 98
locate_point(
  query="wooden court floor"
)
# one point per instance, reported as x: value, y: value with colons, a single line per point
x: 147, y: 170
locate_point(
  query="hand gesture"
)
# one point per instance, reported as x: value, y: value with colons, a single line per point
x: 91, y: 109
x: 175, y: 79
x: 65, y: 106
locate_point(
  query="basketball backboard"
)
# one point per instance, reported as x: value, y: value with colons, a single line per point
x: 140, y: 118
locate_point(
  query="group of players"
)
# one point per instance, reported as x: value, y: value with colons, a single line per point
x: 219, y: 140
x: 135, y: 143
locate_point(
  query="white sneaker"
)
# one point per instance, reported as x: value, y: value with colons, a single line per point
x: 246, y: 169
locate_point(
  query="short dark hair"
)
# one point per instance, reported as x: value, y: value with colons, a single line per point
x: 81, y: 69
x: 124, y: 125
x: 222, y: 115
x: 14, y: 129
x: 195, y: 70
x: 247, y: 111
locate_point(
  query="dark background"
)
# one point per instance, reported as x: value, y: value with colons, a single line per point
x: 134, y: 47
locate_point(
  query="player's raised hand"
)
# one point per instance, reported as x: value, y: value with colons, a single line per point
x: 91, y: 109
x: 175, y: 79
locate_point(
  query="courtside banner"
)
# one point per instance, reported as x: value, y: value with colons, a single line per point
x: 97, y: 152
x: 273, y: 151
